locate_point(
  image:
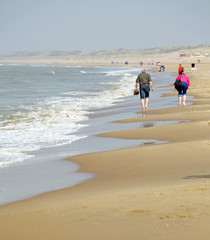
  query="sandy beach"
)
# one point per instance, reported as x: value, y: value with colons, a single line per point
x: 152, y: 192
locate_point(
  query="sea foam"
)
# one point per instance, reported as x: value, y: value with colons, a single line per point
x: 59, y: 110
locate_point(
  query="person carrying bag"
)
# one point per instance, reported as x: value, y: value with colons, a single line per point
x: 181, y: 84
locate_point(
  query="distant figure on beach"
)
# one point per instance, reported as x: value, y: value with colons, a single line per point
x: 162, y: 67
x: 182, y: 91
x: 180, y: 69
x: 144, y: 81
x: 193, y: 68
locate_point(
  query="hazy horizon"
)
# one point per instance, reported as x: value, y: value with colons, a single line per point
x: 93, y: 25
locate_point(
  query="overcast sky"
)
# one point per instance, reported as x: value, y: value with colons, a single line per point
x: 87, y: 25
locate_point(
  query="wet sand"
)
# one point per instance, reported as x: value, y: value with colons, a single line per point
x: 151, y: 192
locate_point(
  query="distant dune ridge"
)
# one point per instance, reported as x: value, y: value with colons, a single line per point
x: 105, y: 56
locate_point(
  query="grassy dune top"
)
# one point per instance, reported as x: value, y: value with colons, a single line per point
x: 107, y: 56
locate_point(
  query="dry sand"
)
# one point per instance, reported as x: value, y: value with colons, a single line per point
x: 152, y: 192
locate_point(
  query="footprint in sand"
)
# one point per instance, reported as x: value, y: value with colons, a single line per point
x: 141, y: 211
x: 165, y: 217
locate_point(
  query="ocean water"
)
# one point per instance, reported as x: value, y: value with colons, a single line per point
x: 45, y: 106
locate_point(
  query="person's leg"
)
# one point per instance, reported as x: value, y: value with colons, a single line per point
x: 142, y: 103
x: 147, y: 89
x: 142, y: 96
x: 184, y: 99
x: 180, y: 100
x: 185, y: 87
x: 180, y: 96
x: 146, y: 102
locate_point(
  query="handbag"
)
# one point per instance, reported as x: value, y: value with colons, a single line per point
x: 178, y: 84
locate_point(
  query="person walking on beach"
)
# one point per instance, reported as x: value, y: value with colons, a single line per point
x: 180, y: 69
x: 145, y: 82
x: 182, y: 91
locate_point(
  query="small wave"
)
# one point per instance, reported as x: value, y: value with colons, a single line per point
x: 108, y: 83
x: 51, y: 123
x: 122, y: 72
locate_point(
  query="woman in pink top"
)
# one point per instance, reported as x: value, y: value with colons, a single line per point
x: 182, y: 91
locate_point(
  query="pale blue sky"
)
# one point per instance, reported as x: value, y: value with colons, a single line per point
x: 88, y: 25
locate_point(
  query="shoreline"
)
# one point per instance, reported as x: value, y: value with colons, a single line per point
x: 50, y: 163
x: 150, y: 192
